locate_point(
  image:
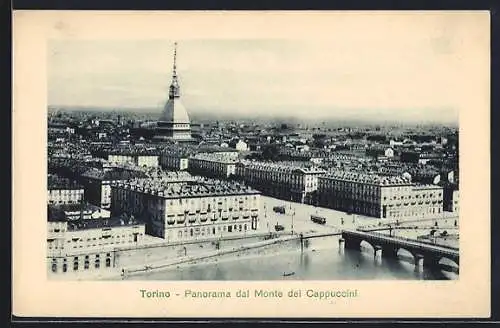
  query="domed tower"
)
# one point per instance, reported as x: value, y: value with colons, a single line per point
x: 173, y: 123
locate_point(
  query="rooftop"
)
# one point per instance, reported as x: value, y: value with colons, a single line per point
x: 112, y: 175
x: 57, y: 182
x: 285, y: 166
x: 374, y: 179
x: 61, y: 212
x: 102, y: 223
x: 202, y: 187
x: 217, y: 157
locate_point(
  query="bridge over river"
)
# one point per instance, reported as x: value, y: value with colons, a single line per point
x: 424, y: 253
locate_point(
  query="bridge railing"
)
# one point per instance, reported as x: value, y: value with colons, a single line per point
x: 403, y: 239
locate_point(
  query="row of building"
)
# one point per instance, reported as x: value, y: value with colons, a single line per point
x: 295, y: 181
x: 378, y: 196
x: 81, y: 243
x: 175, y: 209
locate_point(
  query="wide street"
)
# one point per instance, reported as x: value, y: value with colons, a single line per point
x: 299, y: 215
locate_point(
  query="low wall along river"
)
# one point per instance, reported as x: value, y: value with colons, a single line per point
x: 158, y: 258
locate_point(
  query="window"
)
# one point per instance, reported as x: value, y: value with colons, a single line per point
x: 108, y: 262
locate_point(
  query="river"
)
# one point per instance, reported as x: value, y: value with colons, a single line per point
x: 321, y: 261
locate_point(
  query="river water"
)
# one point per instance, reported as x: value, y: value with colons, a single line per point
x: 321, y: 261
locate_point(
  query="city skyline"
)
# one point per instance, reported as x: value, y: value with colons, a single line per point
x: 315, y: 79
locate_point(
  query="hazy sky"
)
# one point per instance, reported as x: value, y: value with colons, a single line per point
x: 409, y: 77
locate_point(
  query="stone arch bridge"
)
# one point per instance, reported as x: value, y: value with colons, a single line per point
x: 424, y: 253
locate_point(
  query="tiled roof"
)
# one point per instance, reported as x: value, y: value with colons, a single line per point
x: 56, y: 182
x: 102, y: 223
x: 113, y: 175
x: 217, y: 157
x: 59, y: 212
x: 281, y: 166
x: 367, y: 178
x: 201, y: 187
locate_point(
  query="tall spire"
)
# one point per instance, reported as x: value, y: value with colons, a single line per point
x: 175, y: 59
x: 174, y: 86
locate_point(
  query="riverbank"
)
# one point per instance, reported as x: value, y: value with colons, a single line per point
x: 257, y: 249
x: 321, y: 261
x: 231, y: 252
x: 156, y: 255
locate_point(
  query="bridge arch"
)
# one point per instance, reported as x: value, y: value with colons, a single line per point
x: 448, y: 261
x: 365, y: 244
x: 403, y: 253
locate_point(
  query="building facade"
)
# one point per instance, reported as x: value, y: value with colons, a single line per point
x: 451, y: 198
x: 216, y: 165
x: 143, y: 159
x: 278, y: 179
x: 378, y: 150
x: 98, y: 184
x: 241, y: 146
x: 376, y: 196
x: 88, y: 245
x: 63, y: 191
x: 178, y: 210
x: 176, y: 161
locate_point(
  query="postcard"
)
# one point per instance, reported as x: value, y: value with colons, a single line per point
x: 251, y: 164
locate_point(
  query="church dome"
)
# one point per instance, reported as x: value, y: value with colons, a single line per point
x: 174, y: 112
